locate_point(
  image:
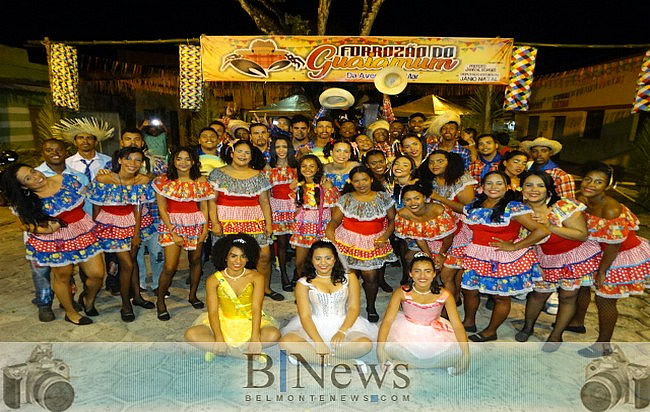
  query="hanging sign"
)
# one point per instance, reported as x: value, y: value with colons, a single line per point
x: 355, y: 59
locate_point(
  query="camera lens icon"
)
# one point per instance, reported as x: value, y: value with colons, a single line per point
x: 41, y: 380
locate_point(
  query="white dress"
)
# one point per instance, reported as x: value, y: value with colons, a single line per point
x: 328, y: 312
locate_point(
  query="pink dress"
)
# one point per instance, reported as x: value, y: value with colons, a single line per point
x: 420, y: 330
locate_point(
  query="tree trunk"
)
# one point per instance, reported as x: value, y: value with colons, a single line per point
x: 487, y: 120
x: 368, y: 15
x: 323, y: 15
x: 264, y: 20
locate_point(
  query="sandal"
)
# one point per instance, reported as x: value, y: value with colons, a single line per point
x: 197, y: 304
x: 164, y: 315
x: 82, y: 321
x: 480, y: 338
x: 127, y: 316
x: 275, y: 296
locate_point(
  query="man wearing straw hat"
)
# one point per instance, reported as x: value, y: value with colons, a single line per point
x: 541, y: 149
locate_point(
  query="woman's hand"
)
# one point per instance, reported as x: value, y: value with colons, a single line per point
x: 337, y: 339
x: 506, y: 246
x: 293, y: 185
x: 439, y: 260
x: 104, y: 172
x: 220, y: 347
x: 178, y: 240
x: 543, y: 220
x: 599, y: 280
x: 323, y: 350
x: 53, y: 225
x: 254, y: 347
x: 269, y: 229
x: 216, y: 229
x: 204, y: 235
x: 380, y: 242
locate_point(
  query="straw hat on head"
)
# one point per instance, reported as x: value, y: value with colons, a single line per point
x: 391, y: 80
x: 67, y: 129
x: 434, y: 124
x: 379, y: 124
x: 336, y: 98
x: 235, y: 124
x: 554, y: 145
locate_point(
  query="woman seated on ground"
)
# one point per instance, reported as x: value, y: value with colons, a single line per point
x: 328, y: 325
x: 418, y: 335
x: 234, y: 323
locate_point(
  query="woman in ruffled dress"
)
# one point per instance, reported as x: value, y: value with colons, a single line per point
x: 427, y: 227
x: 497, y: 262
x: 242, y: 203
x: 234, y: 323
x: 624, y: 269
x: 567, y: 258
x: 338, y: 170
x: 281, y: 172
x: 182, y: 196
x: 454, y: 188
x: 362, y: 222
x: 328, y: 326
x: 59, y: 233
x: 314, y: 197
x: 418, y: 334
x: 118, y: 198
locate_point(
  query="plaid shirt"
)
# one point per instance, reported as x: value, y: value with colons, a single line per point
x: 476, y: 167
x: 460, y: 150
x: 564, y: 184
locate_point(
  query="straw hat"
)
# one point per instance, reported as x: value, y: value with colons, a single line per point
x: 67, y: 129
x: 336, y: 98
x: 379, y: 124
x: 235, y: 124
x: 391, y: 80
x: 554, y: 145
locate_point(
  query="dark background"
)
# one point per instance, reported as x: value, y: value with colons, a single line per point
x: 537, y: 21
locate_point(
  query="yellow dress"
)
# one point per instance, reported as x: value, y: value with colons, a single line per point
x: 235, y: 313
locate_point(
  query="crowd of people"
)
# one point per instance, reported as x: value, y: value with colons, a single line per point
x: 463, y: 215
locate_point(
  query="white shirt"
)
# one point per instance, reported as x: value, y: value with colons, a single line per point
x: 76, y: 163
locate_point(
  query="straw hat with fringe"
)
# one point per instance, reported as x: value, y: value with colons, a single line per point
x: 67, y: 129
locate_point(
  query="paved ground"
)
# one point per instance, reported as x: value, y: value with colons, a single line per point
x: 19, y: 322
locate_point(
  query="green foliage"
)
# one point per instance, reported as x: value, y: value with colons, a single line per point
x: 477, y: 103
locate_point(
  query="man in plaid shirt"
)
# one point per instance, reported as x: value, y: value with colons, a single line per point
x: 449, y: 142
x: 541, y: 150
x: 488, y: 157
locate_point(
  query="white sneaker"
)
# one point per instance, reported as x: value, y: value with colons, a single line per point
x: 552, y: 304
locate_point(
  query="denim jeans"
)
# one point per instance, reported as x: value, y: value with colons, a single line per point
x: 42, y: 285
x: 156, y: 258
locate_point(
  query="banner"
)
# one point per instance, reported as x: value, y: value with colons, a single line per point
x: 355, y: 59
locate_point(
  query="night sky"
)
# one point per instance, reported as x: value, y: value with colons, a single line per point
x: 542, y: 21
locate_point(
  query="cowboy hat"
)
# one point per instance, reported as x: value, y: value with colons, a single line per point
x: 554, y: 145
x: 391, y: 80
x: 336, y: 98
x: 235, y: 124
x: 379, y: 124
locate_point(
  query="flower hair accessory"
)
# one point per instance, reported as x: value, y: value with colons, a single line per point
x: 242, y: 241
x: 420, y: 254
x: 326, y: 240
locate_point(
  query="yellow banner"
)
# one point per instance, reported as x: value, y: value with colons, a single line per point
x: 355, y: 59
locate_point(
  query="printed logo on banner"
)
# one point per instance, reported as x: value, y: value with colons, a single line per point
x: 261, y: 58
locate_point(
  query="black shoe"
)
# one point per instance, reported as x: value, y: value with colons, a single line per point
x: 164, y: 316
x: 480, y: 338
x: 197, y: 304
x: 470, y: 329
x: 45, y: 314
x: 145, y: 304
x: 75, y: 305
x: 386, y: 287
x: 523, y: 335
x: 89, y: 312
x: 82, y: 321
x: 489, y: 304
x: 373, y: 317
x: 188, y: 280
x: 127, y: 316
x: 275, y: 296
x: 167, y: 294
x: 573, y: 329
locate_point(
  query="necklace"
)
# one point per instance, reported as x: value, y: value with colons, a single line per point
x: 421, y: 293
x: 225, y: 272
x: 323, y: 277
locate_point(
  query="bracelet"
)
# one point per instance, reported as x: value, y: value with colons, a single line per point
x: 343, y: 332
x: 473, y: 144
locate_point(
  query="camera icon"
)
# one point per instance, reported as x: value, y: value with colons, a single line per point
x: 41, y: 379
x: 613, y: 380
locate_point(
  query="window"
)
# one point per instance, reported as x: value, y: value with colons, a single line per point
x: 533, y: 125
x: 594, y: 124
x: 558, y: 126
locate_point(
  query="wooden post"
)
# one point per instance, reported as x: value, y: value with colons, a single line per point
x: 487, y: 119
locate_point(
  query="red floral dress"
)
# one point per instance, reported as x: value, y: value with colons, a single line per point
x: 313, y: 215
x: 432, y: 231
x: 283, y: 206
x: 567, y: 264
x: 183, y: 209
x: 629, y: 273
